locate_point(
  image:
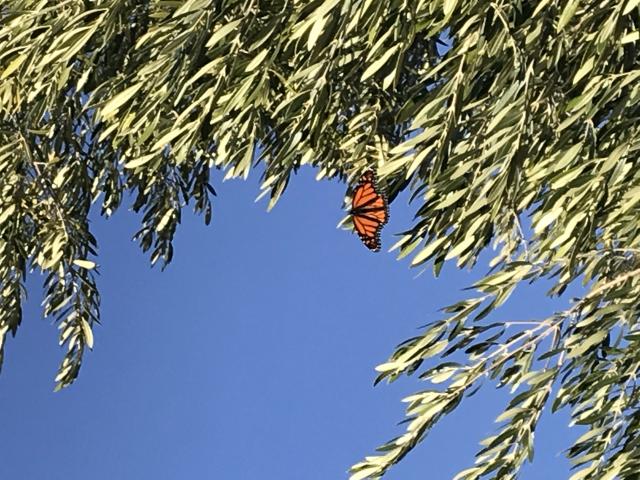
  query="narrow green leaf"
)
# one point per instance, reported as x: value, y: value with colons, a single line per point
x: 110, y: 108
x: 587, y: 66
x: 87, y: 264
x: 631, y: 4
x: 257, y: 61
x: 222, y: 32
x: 378, y: 64
x: 13, y: 66
x: 87, y: 333
x: 567, y: 14
x: 448, y: 7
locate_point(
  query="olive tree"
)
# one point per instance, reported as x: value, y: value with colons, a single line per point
x: 512, y: 123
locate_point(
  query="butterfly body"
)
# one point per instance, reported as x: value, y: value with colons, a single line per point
x: 369, y: 211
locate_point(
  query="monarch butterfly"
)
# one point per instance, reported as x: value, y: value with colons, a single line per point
x: 369, y: 211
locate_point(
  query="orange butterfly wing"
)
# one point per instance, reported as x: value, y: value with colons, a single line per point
x: 369, y: 211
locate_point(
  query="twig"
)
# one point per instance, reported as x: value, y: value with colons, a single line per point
x: 47, y: 186
x: 606, y: 285
x: 523, y: 239
x: 608, y: 250
x: 523, y: 322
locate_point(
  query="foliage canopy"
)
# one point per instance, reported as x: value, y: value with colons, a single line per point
x: 489, y: 112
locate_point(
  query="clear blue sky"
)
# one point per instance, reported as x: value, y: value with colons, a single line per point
x: 250, y: 357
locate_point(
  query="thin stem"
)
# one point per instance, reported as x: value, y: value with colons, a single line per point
x: 609, y: 250
x: 523, y: 322
x: 607, y: 285
x: 46, y: 183
x: 523, y: 239
x: 528, y: 333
